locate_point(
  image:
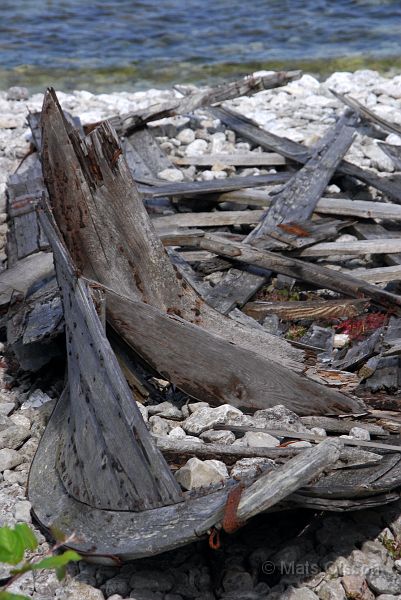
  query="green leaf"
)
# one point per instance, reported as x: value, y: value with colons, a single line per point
x: 27, y: 536
x: 58, y: 535
x: 11, y: 546
x: 54, y: 562
x: 60, y: 572
x: 10, y: 596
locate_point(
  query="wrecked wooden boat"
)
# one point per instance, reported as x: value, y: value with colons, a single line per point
x: 98, y: 471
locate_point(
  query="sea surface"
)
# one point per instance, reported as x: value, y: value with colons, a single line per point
x: 128, y: 44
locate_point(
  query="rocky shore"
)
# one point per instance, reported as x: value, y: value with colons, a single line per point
x: 294, y: 556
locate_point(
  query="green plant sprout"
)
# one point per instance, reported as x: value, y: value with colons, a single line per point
x: 15, y: 542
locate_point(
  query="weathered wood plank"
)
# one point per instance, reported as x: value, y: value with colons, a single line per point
x: 250, y: 159
x: 299, y: 269
x: 106, y: 447
x: 363, y: 209
x: 383, y: 246
x: 390, y: 185
x: 295, y: 202
x: 126, y: 124
x: 19, y: 278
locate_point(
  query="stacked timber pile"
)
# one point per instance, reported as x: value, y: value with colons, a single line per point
x: 261, y: 347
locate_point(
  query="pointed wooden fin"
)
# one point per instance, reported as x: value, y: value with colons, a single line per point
x: 106, y: 457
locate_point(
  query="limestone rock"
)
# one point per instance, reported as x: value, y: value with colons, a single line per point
x: 6, y: 408
x: 36, y: 400
x: 173, y: 175
x: 186, y: 136
x: 258, y: 439
x: 197, y: 473
x: 360, y: 433
x: 383, y: 581
x: 196, y: 148
x: 22, y: 512
x: 177, y: 433
x: 355, y: 586
x: 331, y: 590
x: 9, y: 459
x: 13, y: 437
x: 218, y: 437
x: 206, y: 418
x: 77, y: 590
x: 250, y: 467
x: 278, y: 417
x: 301, y: 593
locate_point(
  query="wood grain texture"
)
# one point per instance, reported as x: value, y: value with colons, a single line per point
x: 112, y: 240
x: 106, y: 457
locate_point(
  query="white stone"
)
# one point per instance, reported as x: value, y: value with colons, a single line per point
x: 194, y: 406
x: 197, y: 473
x: 196, y: 148
x: 6, y: 408
x: 78, y: 590
x: 20, y: 420
x: 218, y: 437
x: 359, y: 433
x: 9, y: 459
x: 218, y: 142
x: 340, y: 340
x: 393, y: 139
x: 319, y: 431
x: 207, y: 418
x: 166, y: 410
x: 278, y: 417
x: 258, y: 439
x: 171, y: 175
x: 186, y: 136
x: 177, y: 433
x: 250, y: 467
x: 159, y: 426
x: 22, y: 513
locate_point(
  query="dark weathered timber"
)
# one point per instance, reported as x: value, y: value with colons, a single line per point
x: 127, y: 124
x: 104, y: 223
x: 216, y: 186
x: 333, y: 425
x: 295, y: 202
x: 106, y: 457
x: 206, y: 367
x: 375, y: 231
x: 367, y: 114
x: 16, y: 281
x: 308, y: 309
x: 301, y: 270
x: 248, y: 129
x: 24, y: 189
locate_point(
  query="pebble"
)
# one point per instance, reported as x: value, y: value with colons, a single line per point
x: 196, y: 148
x: 201, y: 473
x: 206, y: 418
x: 9, y: 459
x: 186, y: 136
x: 250, y: 467
x: 258, y: 439
x: 359, y: 433
x: 173, y: 175
x: 355, y: 587
x: 279, y: 417
x: 22, y: 512
x: 218, y: 437
x: 383, y: 581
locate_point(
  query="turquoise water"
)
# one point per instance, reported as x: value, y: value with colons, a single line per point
x: 127, y: 44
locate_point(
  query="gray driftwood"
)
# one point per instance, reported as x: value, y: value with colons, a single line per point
x: 295, y: 202
x: 248, y: 129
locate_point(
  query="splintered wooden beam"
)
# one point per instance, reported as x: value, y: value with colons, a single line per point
x: 112, y: 240
x: 248, y: 129
x: 295, y: 202
x: 359, y: 247
x: 107, y: 458
x: 251, y: 84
